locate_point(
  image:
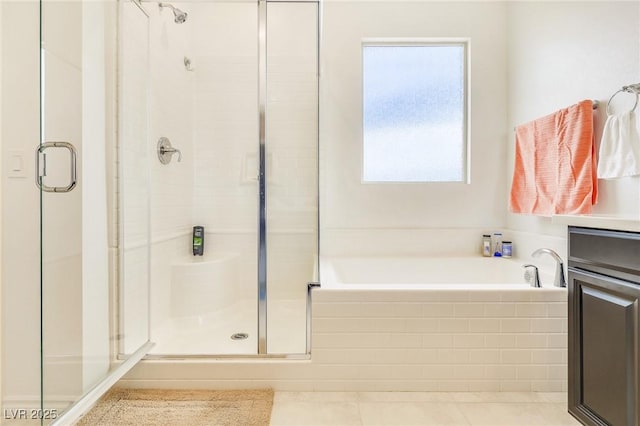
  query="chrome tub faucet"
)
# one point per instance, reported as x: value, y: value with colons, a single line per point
x: 559, y: 280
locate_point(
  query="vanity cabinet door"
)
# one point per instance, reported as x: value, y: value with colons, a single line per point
x: 603, y: 349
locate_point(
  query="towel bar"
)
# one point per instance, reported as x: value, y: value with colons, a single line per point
x: 596, y: 103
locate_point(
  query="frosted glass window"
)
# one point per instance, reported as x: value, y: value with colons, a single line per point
x: 414, y: 113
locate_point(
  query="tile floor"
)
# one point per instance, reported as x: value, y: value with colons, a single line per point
x: 420, y: 408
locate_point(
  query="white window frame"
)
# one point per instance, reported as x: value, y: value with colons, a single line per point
x: 400, y: 42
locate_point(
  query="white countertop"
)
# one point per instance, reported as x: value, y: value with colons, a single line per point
x: 616, y: 222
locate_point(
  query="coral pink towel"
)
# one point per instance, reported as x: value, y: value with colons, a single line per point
x: 555, y: 164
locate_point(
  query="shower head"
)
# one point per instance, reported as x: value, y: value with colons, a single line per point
x: 180, y: 16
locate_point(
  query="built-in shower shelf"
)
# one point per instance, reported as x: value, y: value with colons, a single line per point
x: 616, y: 222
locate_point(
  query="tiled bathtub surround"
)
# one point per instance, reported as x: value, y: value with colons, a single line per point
x: 443, y: 340
x: 388, y: 340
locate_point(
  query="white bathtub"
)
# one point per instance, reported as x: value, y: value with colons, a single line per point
x: 438, y: 324
x: 411, y: 273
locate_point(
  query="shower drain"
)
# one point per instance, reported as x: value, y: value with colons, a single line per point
x: 239, y: 336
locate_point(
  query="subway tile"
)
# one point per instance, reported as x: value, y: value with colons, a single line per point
x: 469, y: 372
x: 557, y: 310
x: 439, y: 310
x: 457, y: 325
x: 378, y: 310
x: 468, y: 341
x: 468, y: 310
x: 515, y: 325
x: 406, y: 340
x: 348, y: 340
x: 453, y: 356
x: 496, y: 372
x: 422, y: 356
x: 531, y: 372
x: 453, y: 386
x: 531, y: 310
x: 437, y: 341
x: 390, y: 356
x: 547, y: 325
x: 557, y: 341
x: 374, y: 372
x: 484, y: 386
x: 500, y: 340
x: 410, y: 310
x: 515, y: 356
x: 405, y: 371
x: 484, y: 356
x: 549, y: 295
x: 384, y: 325
x: 336, y: 310
x: 531, y: 340
x: 548, y: 356
x: 435, y: 372
x: 484, y: 325
x: 421, y: 325
x: 557, y: 372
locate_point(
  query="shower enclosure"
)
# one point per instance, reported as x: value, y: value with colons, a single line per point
x: 234, y: 87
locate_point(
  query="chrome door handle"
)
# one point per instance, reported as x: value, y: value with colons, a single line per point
x: 73, y: 172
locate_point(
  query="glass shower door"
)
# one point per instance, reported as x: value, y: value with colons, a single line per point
x: 72, y: 168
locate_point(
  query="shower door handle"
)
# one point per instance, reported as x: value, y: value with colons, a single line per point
x: 72, y: 172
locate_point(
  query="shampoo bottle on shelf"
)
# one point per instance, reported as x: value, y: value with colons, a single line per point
x: 198, y: 240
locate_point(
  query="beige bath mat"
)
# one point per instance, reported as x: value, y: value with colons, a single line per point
x: 181, y: 407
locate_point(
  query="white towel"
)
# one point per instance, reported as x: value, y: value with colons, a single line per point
x: 620, y: 147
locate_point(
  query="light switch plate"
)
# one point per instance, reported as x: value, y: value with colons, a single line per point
x: 15, y: 164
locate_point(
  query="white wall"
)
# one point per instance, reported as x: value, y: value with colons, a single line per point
x: 560, y: 53
x: 171, y: 106
x: 20, y: 272
x: 346, y: 202
x: 225, y: 49
x: 133, y: 185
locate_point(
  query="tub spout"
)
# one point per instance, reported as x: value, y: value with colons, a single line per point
x: 559, y: 280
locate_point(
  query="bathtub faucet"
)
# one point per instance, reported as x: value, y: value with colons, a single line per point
x: 559, y: 280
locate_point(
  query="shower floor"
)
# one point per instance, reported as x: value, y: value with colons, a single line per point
x: 210, y: 334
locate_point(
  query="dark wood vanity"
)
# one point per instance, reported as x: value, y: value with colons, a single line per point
x: 604, y: 289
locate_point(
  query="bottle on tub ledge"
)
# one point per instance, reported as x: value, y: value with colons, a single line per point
x: 497, y: 244
x: 486, y: 245
x: 507, y: 249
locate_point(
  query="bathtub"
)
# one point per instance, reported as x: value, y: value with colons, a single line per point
x: 438, y: 324
x: 412, y: 273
